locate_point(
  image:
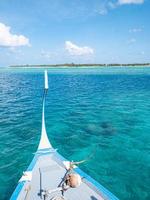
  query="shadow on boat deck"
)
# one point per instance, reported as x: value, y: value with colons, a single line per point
x: 93, y: 198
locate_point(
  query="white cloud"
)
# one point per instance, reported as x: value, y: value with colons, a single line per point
x: 109, y: 5
x: 7, y: 39
x: 142, y: 52
x: 112, y: 5
x: 47, y: 54
x: 135, y: 30
x: 105, y: 7
x: 131, y: 41
x: 16, y: 51
x: 130, y: 1
x: 75, y: 50
x: 103, y: 11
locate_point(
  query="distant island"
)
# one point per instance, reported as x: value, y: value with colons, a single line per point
x: 81, y: 65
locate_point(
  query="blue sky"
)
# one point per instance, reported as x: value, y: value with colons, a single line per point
x: 65, y: 31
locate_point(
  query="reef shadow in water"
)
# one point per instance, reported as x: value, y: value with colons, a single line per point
x: 107, y: 128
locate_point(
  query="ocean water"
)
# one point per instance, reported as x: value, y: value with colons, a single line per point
x: 103, y: 113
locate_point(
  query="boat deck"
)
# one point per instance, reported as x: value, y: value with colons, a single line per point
x: 47, y: 174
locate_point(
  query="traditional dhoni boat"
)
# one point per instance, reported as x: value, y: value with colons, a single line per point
x: 51, y: 177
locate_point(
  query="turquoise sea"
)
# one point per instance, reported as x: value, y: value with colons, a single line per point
x: 103, y: 112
